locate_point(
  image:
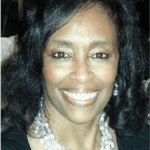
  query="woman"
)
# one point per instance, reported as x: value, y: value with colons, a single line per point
x: 76, y: 81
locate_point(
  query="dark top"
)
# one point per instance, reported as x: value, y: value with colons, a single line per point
x: 13, y: 140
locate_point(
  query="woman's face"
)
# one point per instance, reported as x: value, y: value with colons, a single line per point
x: 80, y: 66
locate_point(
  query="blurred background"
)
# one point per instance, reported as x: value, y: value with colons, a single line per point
x: 11, y: 16
x: 12, y: 13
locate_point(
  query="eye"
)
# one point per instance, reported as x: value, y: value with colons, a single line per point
x: 60, y: 55
x: 100, y: 56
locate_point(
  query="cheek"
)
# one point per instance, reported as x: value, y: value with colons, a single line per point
x: 107, y: 75
x: 53, y: 74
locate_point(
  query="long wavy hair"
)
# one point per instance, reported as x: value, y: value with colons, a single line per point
x: 22, y: 73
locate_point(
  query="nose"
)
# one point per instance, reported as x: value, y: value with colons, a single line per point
x: 81, y: 72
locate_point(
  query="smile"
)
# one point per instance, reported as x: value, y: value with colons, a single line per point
x: 80, y: 96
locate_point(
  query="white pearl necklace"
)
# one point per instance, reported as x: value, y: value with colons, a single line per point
x: 47, y: 138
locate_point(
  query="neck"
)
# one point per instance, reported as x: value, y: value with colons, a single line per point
x: 74, y: 135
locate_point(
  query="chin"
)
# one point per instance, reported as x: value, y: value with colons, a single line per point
x: 82, y: 116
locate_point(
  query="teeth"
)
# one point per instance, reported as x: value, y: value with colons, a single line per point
x: 80, y: 96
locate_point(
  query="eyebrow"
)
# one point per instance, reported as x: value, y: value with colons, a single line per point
x: 99, y: 43
x: 62, y: 42
x: 93, y: 44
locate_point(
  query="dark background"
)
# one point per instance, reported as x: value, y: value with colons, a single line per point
x: 10, y: 20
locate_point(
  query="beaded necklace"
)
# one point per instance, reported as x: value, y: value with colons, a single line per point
x: 47, y: 138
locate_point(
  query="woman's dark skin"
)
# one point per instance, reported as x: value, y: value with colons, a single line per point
x: 88, y: 64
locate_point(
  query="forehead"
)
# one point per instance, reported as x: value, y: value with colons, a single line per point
x: 88, y: 25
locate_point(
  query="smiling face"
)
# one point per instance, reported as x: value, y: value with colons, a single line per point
x: 80, y: 66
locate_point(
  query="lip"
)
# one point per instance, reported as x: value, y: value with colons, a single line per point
x: 79, y: 90
x: 80, y: 103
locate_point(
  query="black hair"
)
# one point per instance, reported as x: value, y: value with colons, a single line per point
x: 22, y: 73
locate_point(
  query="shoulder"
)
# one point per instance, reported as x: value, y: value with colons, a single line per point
x: 14, y: 140
x: 140, y: 142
